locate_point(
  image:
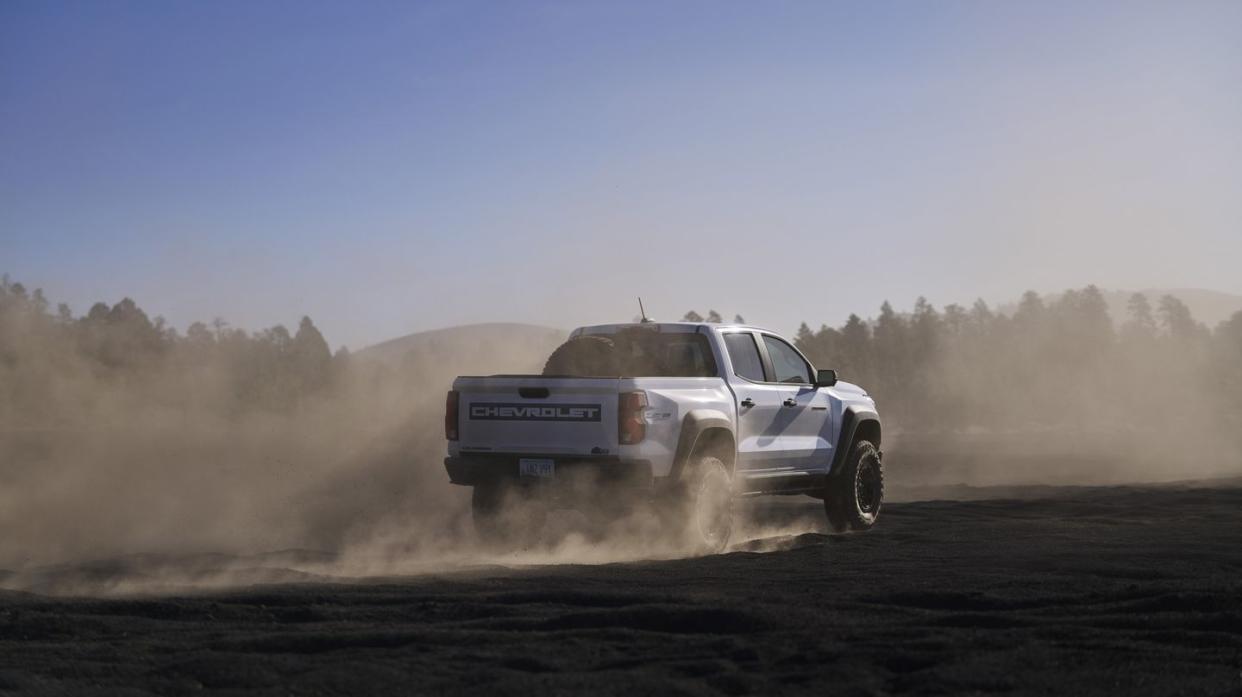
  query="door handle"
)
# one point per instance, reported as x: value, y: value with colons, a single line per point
x: 791, y: 402
x: 748, y: 402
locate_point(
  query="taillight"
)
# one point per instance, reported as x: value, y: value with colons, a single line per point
x: 631, y: 422
x: 450, y: 415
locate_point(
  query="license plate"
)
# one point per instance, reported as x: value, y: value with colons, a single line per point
x: 532, y: 467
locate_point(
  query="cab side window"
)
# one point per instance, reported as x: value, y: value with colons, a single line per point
x: 786, y: 362
x: 744, y: 354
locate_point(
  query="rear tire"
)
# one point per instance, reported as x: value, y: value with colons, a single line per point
x: 855, y: 494
x: 506, y: 515
x: 701, y: 511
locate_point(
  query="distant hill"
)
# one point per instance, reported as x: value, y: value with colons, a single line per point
x: 1208, y: 306
x: 473, y: 348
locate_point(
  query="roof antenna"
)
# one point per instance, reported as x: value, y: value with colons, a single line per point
x: 641, y: 311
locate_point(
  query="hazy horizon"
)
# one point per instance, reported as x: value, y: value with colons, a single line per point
x: 402, y: 168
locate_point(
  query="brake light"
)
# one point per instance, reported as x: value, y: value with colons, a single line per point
x: 450, y: 415
x: 631, y: 420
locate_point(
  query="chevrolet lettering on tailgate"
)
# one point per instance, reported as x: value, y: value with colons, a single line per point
x: 486, y: 411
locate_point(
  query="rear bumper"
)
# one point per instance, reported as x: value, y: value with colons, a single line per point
x: 469, y: 470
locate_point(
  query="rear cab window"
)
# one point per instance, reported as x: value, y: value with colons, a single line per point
x: 640, y: 352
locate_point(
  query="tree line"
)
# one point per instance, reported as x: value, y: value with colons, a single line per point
x: 54, y: 364
x: 1050, y: 363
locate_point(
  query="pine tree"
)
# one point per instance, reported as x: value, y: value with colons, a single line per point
x: 1176, y: 319
x: 310, y: 355
x: 1142, y: 323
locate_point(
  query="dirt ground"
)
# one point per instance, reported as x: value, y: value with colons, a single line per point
x: 1103, y: 590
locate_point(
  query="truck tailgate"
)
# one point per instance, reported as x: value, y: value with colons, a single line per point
x: 553, y: 416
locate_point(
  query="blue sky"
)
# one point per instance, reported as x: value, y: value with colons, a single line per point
x: 390, y: 167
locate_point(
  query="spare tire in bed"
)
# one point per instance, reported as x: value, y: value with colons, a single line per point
x: 583, y: 356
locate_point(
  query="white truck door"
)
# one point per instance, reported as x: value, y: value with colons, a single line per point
x: 808, y: 432
x: 761, y: 416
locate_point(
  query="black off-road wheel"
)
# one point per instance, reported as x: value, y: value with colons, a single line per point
x: 700, y: 510
x: 506, y: 515
x: 856, y: 493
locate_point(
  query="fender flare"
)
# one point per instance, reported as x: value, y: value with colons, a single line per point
x: 693, y: 425
x: 850, y: 421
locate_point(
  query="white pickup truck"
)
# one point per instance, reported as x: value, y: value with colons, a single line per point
x: 688, y: 415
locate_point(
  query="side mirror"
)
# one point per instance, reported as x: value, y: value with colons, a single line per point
x: 825, y: 378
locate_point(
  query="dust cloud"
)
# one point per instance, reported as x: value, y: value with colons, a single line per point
x: 121, y: 441
x: 135, y: 461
